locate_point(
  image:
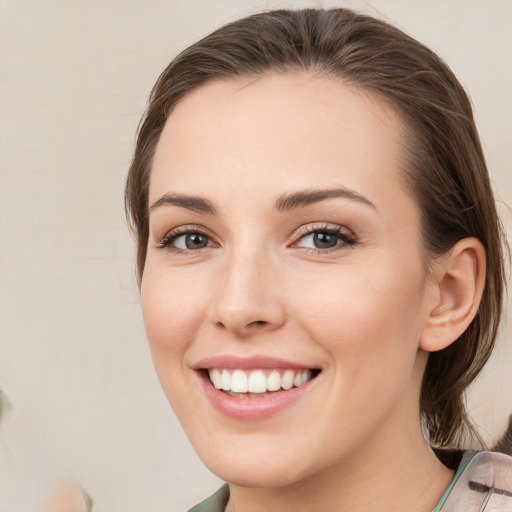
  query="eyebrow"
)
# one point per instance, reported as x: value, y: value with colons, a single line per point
x: 303, y: 198
x: 197, y: 204
x: 284, y: 203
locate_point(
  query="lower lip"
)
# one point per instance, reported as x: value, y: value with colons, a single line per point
x: 256, y: 408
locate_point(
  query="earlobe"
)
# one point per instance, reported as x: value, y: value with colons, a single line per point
x: 459, y: 279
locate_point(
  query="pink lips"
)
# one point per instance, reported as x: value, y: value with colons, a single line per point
x: 248, y: 363
x: 245, y: 408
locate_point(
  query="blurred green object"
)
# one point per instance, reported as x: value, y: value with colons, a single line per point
x: 5, y: 407
x: 88, y: 502
x: 4, y: 404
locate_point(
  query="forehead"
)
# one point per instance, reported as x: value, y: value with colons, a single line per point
x: 284, y: 130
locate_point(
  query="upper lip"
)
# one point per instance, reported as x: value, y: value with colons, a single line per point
x: 246, y: 363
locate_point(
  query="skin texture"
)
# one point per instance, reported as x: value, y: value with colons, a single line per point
x: 365, y: 313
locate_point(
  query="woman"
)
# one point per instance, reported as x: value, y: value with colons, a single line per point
x: 321, y: 265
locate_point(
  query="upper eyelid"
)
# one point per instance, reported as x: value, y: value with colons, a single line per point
x: 305, y: 229
x: 324, y: 226
x: 338, y: 229
x: 184, y: 229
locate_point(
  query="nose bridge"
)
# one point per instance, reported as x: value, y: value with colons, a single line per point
x: 247, y: 298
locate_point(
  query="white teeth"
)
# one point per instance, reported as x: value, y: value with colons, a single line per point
x: 226, y: 380
x: 274, y: 381
x: 305, y: 375
x: 287, y: 379
x: 257, y: 381
x: 216, y: 378
x: 239, y: 382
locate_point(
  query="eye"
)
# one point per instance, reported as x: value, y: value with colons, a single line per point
x: 185, y: 240
x: 324, y: 239
x: 191, y: 241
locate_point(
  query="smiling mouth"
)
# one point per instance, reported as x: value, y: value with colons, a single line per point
x: 258, y: 382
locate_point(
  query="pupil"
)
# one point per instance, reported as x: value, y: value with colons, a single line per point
x: 195, y: 241
x: 324, y: 240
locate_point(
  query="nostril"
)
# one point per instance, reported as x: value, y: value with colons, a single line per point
x: 258, y: 322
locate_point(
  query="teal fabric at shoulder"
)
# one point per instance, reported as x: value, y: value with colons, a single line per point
x: 462, y: 466
x: 485, y: 485
x: 215, y: 503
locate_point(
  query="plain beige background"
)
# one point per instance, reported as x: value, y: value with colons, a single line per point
x: 73, y: 355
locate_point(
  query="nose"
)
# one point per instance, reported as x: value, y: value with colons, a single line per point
x: 248, y: 299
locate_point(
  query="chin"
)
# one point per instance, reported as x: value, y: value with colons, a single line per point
x: 252, y: 463
x: 245, y: 473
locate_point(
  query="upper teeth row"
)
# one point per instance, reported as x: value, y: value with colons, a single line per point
x: 256, y: 381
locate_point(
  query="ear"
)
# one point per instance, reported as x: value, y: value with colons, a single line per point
x: 458, y: 280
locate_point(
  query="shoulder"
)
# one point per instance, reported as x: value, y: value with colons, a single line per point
x: 484, y: 484
x: 215, y: 503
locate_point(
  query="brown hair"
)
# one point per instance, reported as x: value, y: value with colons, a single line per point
x: 446, y: 171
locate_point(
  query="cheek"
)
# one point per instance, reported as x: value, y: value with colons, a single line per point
x: 363, y: 315
x: 172, y: 309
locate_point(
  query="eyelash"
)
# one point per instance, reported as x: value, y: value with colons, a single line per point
x: 347, y: 240
x: 169, y: 238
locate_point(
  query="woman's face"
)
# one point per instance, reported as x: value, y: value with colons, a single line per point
x: 284, y: 251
